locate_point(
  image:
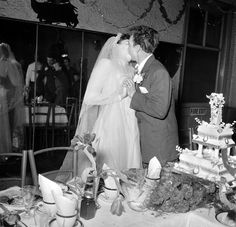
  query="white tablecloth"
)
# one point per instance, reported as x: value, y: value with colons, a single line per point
x: 60, y: 118
x: 199, y: 218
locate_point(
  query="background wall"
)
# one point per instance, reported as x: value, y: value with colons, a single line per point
x: 111, y: 16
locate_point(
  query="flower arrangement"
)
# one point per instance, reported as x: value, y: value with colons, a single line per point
x: 216, y: 100
x: 180, y: 193
x: 138, y: 76
x: 117, y: 207
x: 84, y: 143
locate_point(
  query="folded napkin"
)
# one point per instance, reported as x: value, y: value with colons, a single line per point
x: 46, y: 187
x: 66, y: 204
x: 154, y: 168
x: 109, y: 181
x: 66, y: 209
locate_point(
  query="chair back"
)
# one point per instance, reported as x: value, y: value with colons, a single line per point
x: 47, y: 158
x: 7, y: 181
x: 72, y: 102
x: 39, y: 116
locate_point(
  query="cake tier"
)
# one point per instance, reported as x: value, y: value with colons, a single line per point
x: 202, y: 168
x: 214, y: 131
x: 212, y: 142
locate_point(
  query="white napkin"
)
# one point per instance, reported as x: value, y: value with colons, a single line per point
x: 154, y: 168
x: 66, y: 206
x: 109, y: 181
x: 46, y: 187
x: 143, y: 90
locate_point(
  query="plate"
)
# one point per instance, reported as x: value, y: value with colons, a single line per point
x: 224, y: 219
x: 53, y: 223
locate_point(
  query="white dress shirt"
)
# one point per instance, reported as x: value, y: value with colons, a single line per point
x: 30, y: 74
x: 141, y: 65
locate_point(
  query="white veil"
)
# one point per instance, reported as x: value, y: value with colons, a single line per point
x: 89, y: 111
x: 13, y: 86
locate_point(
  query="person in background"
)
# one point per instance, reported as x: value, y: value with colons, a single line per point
x: 75, y: 89
x: 70, y: 71
x: 61, y: 84
x: 47, y: 80
x: 11, y: 98
x: 31, y: 76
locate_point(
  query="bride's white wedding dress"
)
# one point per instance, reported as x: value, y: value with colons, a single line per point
x: 106, y: 112
x: 117, y: 135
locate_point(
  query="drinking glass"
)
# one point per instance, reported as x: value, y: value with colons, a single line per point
x: 28, y: 193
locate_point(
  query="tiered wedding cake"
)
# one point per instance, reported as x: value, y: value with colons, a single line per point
x: 206, y: 162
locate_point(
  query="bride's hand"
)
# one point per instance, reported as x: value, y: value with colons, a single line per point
x: 127, y: 83
x: 123, y: 92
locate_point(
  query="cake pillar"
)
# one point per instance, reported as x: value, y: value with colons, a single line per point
x: 216, y: 153
x: 200, y: 150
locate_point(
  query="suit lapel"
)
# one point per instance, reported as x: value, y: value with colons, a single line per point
x: 146, y: 68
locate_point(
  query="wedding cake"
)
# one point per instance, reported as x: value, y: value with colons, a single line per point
x: 206, y: 162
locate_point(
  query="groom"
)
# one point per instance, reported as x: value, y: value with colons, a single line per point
x: 152, y: 99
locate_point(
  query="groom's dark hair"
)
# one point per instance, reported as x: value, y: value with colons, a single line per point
x: 146, y: 37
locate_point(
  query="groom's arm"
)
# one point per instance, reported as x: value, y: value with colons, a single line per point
x: 156, y: 102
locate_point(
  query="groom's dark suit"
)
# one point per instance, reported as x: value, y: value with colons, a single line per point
x: 156, y: 114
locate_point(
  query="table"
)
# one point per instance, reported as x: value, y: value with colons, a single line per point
x: 41, y: 115
x: 199, y: 218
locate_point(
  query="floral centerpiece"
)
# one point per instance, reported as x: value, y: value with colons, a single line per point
x: 84, y: 144
x: 179, y: 192
x: 216, y: 103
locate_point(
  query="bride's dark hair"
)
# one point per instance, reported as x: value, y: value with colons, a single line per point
x: 123, y: 37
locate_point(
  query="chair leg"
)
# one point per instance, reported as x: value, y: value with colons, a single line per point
x: 33, y: 167
x: 23, y: 168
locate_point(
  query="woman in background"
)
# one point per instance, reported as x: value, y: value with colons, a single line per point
x: 11, y: 98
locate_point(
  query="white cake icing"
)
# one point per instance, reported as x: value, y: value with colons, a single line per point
x: 202, y: 167
x: 206, y: 162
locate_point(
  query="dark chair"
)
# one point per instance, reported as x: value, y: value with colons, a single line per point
x: 8, y: 163
x: 73, y: 102
x: 61, y: 125
x: 38, y: 117
x: 45, y: 164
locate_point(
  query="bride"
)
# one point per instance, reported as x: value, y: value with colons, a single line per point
x: 106, y: 112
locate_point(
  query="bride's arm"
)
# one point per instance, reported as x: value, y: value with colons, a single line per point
x: 97, y: 92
